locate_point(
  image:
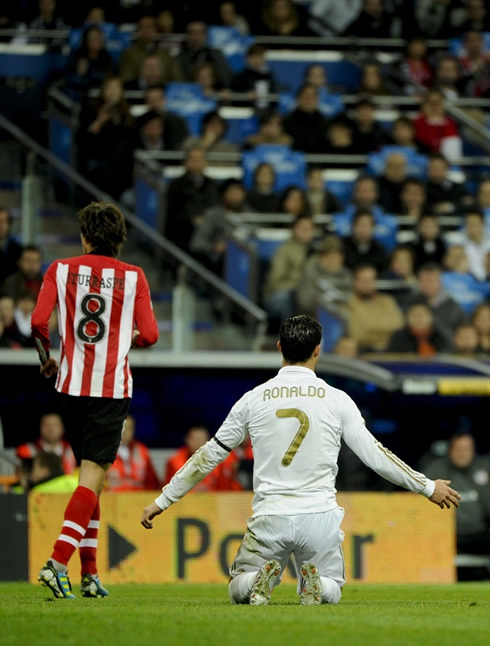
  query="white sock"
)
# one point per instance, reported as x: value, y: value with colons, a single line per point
x: 59, y: 567
x: 331, y: 591
x: 241, y: 586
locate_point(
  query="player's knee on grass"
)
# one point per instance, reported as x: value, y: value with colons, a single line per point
x: 240, y: 587
x: 331, y: 591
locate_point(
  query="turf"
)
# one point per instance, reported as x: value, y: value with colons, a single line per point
x: 196, y: 615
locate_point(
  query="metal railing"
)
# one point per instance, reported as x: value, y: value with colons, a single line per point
x: 180, y: 257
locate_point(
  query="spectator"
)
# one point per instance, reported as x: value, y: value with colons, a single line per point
x: 475, y: 62
x: 208, y: 243
x: 369, y: 135
x: 429, y: 247
x: 320, y: 199
x: 372, y: 83
x: 419, y: 335
x: 325, y: 278
x: 50, y: 440
x: 413, y: 197
x: 282, y: 18
x: 482, y: 196
x: 11, y: 336
x: 373, y: 317
x: 256, y: 79
x: 195, y: 51
x: 466, y: 341
x: 150, y: 73
x: 48, y: 20
x: 365, y: 194
x: 47, y: 475
x: 175, y: 129
x: 305, y: 123
x: 481, y: 321
x: 475, y: 242
x: 434, y: 18
x: 213, y: 131
x: 374, y: 21
x: 28, y: 277
x: 262, y: 198
x: 448, y: 77
x: 475, y: 17
x: 103, y: 126
x: 401, y: 270
x: 223, y: 478
x: 391, y: 182
x: 10, y: 249
x: 416, y: 72
x: 24, y: 306
x: 347, y: 347
x: 434, y: 129
x: 270, y: 132
x: 360, y: 246
x: 230, y: 18
x: 285, y: 271
x: 331, y: 17
x: 403, y: 134
x: 316, y: 74
x: 146, y: 43
x: 188, y: 197
x: 165, y: 26
x: 204, y: 74
x: 89, y: 65
x: 447, y: 313
x: 132, y: 469
x: 340, y: 137
x: 293, y: 201
x: 443, y: 195
x: 471, y: 475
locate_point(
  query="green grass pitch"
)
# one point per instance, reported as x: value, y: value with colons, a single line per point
x: 198, y: 615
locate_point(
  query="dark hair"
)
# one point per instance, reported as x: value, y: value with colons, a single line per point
x: 429, y: 266
x: 256, y: 50
x: 439, y: 156
x: 415, y: 181
x: 227, y: 183
x: 211, y: 116
x: 148, y: 116
x: 304, y: 87
x: 306, y: 210
x: 361, y: 213
x: 268, y: 116
x: 364, y: 102
x: 472, y: 210
x: 403, y: 121
x: 31, y: 247
x: 52, y: 462
x: 299, y: 336
x: 103, y: 227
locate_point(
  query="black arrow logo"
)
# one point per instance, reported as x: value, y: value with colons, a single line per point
x: 119, y: 548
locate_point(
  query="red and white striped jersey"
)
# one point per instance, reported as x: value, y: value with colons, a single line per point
x: 100, y: 301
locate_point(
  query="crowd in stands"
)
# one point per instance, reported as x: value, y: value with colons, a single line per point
x: 356, y: 264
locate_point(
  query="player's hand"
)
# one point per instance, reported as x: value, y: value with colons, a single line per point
x: 149, y: 514
x: 49, y: 368
x: 444, y: 496
x: 135, y: 336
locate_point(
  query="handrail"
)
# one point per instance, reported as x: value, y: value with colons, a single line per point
x: 243, y: 303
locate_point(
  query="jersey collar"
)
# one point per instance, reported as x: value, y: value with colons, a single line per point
x: 287, y: 370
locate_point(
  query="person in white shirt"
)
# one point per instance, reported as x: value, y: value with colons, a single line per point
x: 475, y: 241
x: 296, y: 422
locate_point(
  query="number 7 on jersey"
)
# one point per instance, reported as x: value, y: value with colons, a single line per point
x: 304, y: 425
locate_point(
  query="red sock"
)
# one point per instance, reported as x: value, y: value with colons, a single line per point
x: 88, y: 544
x: 77, y: 517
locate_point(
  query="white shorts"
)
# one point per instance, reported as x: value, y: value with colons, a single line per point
x: 309, y: 538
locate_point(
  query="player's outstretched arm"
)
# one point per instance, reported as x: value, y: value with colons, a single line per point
x: 149, y: 514
x: 444, y: 496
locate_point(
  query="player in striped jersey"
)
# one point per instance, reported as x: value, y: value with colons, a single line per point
x: 104, y: 309
x: 296, y: 422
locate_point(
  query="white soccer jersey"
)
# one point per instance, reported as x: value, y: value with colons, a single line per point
x: 296, y: 422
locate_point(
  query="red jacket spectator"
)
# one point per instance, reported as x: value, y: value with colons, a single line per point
x: 50, y: 441
x: 433, y: 126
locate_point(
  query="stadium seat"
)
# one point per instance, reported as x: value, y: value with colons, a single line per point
x: 289, y: 165
x: 329, y: 104
x: 232, y: 44
x: 416, y: 163
x: 385, y: 225
x: 188, y: 100
x: 115, y: 41
x: 465, y: 289
x: 241, y: 122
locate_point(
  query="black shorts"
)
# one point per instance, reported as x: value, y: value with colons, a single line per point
x: 94, y: 426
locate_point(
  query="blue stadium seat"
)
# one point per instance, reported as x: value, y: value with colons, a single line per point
x: 289, y: 165
x: 232, y: 44
x: 465, y: 289
x: 416, y: 163
x: 188, y: 100
x: 241, y: 123
x: 329, y: 104
x: 340, y: 182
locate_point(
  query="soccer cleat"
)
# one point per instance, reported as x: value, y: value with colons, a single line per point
x: 311, y: 593
x: 57, y: 582
x: 261, y: 591
x: 92, y: 587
